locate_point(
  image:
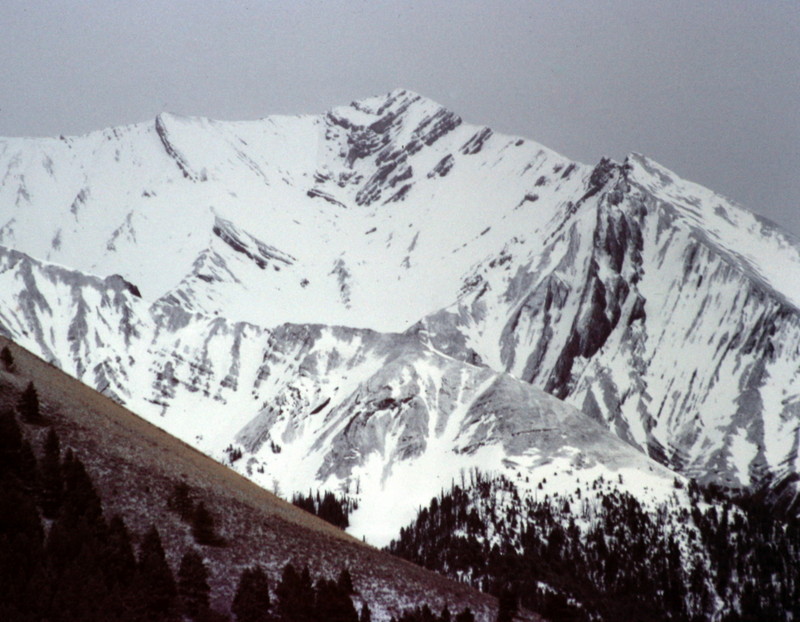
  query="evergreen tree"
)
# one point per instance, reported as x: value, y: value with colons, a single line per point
x: 203, y: 527
x: 332, y: 510
x: 295, y: 596
x: 465, y: 616
x: 120, y: 562
x: 366, y: 614
x: 10, y: 442
x: 28, y: 405
x: 304, y: 503
x: 21, y: 542
x: 28, y: 472
x: 251, y: 602
x: 51, y: 477
x: 155, y: 584
x: 345, y: 582
x: 80, y: 499
x: 180, y: 502
x: 507, y: 606
x: 6, y: 359
x: 193, y: 587
x: 80, y: 591
x: 76, y: 551
x: 327, y: 507
x: 333, y: 604
x: 75, y: 534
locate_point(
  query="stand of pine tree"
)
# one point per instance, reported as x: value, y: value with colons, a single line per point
x: 63, y: 560
x: 740, y: 561
x: 329, y: 507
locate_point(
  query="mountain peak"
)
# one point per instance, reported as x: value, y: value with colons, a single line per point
x: 747, y: 240
x: 385, y: 109
x: 394, y: 99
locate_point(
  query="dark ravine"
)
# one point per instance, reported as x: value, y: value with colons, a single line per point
x: 177, y: 157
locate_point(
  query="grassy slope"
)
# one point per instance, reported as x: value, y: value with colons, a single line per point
x: 136, y: 466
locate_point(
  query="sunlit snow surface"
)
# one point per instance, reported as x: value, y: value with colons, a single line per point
x: 141, y: 201
x: 376, y: 299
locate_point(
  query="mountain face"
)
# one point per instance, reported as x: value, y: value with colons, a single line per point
x: 347, y: 409
x: 658, y: 310
x: 384, y: 296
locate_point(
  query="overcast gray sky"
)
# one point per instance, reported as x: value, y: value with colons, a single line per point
x: 708, y: 88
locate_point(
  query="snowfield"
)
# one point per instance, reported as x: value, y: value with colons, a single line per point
x: 378, y: 299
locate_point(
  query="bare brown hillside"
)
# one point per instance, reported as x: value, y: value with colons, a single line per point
x: 136, y: 466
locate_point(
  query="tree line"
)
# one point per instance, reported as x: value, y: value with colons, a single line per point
x: 571, y: 558
x: 328, y: 507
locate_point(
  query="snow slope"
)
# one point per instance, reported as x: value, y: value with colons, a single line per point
x: 351, y: 410
x: 336, y: 295
x: 657, y: 308
x: 368, y: 195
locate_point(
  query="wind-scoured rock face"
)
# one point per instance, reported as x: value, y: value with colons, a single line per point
x: 352, y: 300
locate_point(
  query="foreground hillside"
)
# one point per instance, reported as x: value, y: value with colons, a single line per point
x: 136, y: 469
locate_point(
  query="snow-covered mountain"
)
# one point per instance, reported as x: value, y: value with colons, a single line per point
x: 298, y: 406
x: 657, y: 308
x: 384, y: 295
x: 306, y: 219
